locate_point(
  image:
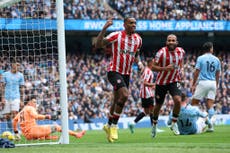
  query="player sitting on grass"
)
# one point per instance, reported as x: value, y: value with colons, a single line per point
x: 31, y: 130
x: 191, y: 119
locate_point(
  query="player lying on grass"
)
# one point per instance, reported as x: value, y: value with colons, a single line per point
x: 191, y: 119
x: 31, y: 130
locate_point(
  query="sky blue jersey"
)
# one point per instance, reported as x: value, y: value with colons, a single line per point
x: 12, y: 83
x: 187, y: 119
x: 208, y: 64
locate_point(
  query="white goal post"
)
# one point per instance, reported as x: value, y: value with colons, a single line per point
x: 32, y: 31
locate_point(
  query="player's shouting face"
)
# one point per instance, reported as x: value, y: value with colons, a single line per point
x: 171, y: 42
x: 130, y: 25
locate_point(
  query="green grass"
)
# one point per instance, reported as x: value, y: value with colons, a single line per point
x: 140, y: 142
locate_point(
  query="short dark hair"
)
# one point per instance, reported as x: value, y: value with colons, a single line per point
x: 207, y: 46
x: 29, y: 98
x: 126, y: 18
x: 13, y: 60
x: 149, y: 61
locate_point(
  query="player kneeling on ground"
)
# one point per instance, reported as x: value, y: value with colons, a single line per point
x: 31, y: 130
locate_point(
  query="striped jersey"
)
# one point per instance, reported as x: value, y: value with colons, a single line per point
x: 147, y: 76
x: 124, y: 48
x: 164, y: 58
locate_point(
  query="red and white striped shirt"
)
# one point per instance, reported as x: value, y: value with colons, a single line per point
x: 124, y: 48
x: 164, y: 58
x: 147, y: 76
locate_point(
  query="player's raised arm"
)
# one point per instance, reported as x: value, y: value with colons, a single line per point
x: 101, y: 41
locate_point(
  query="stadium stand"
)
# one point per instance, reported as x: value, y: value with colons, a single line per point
x: 171, y: 10
x: 118, y: 9
x: 89, y: 92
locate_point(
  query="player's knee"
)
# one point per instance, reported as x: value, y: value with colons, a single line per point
x: 124, y: 96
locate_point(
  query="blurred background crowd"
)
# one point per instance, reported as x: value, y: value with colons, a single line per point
x: 90, y: 93
x: 118, y: 9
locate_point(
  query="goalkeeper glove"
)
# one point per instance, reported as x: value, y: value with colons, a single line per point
x: 54, y: 117
x: 51, y: 117
x: 48, y: 117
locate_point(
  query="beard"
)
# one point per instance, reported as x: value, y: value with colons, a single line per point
x: 171, y: 47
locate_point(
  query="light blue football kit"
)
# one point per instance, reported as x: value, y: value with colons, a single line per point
x: 208, y: 64
x: 188, y: 120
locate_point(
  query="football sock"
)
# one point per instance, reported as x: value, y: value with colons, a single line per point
x: 116, y: 117
x: 139, y: 117
x: 211, y: 112
x: 151, y: 118
x: 110, y: 119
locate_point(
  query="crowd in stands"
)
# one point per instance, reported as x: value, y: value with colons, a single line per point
x: 173, y: 9
x: 90, y: 93
x: 118, y: 9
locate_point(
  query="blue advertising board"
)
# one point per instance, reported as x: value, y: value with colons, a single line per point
x: 96, y: 25
x: 97, y: 124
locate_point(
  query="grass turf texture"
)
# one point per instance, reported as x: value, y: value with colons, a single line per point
x: 139, y: 142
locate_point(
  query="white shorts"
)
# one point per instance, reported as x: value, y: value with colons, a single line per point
x: 205, y: 89
x: 11, y: 105
x: 201, y: 126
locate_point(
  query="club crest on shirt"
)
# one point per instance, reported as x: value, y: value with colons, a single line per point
x: 127, y: 52
x: 118, y: 81
x: 157, y: 97
x: 178, y: 85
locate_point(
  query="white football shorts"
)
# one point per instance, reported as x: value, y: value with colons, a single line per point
x: 205, y: 89
x: 11, y: 105
x: 201, y: 126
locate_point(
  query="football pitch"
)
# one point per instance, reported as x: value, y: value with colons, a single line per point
x: 140, y: 142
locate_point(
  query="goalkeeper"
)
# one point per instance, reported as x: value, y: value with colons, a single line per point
x: 31, y: 130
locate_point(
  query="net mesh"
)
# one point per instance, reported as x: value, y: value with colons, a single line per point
x: 29, y: 36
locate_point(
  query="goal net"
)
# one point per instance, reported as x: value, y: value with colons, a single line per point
x: 30, y: 34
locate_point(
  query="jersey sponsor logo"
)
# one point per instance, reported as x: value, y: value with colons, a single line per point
x: 127, y: 52
x: 178, y: 85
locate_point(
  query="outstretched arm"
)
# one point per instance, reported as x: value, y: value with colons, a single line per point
x: 15, y: 128
x: 15, y: 123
